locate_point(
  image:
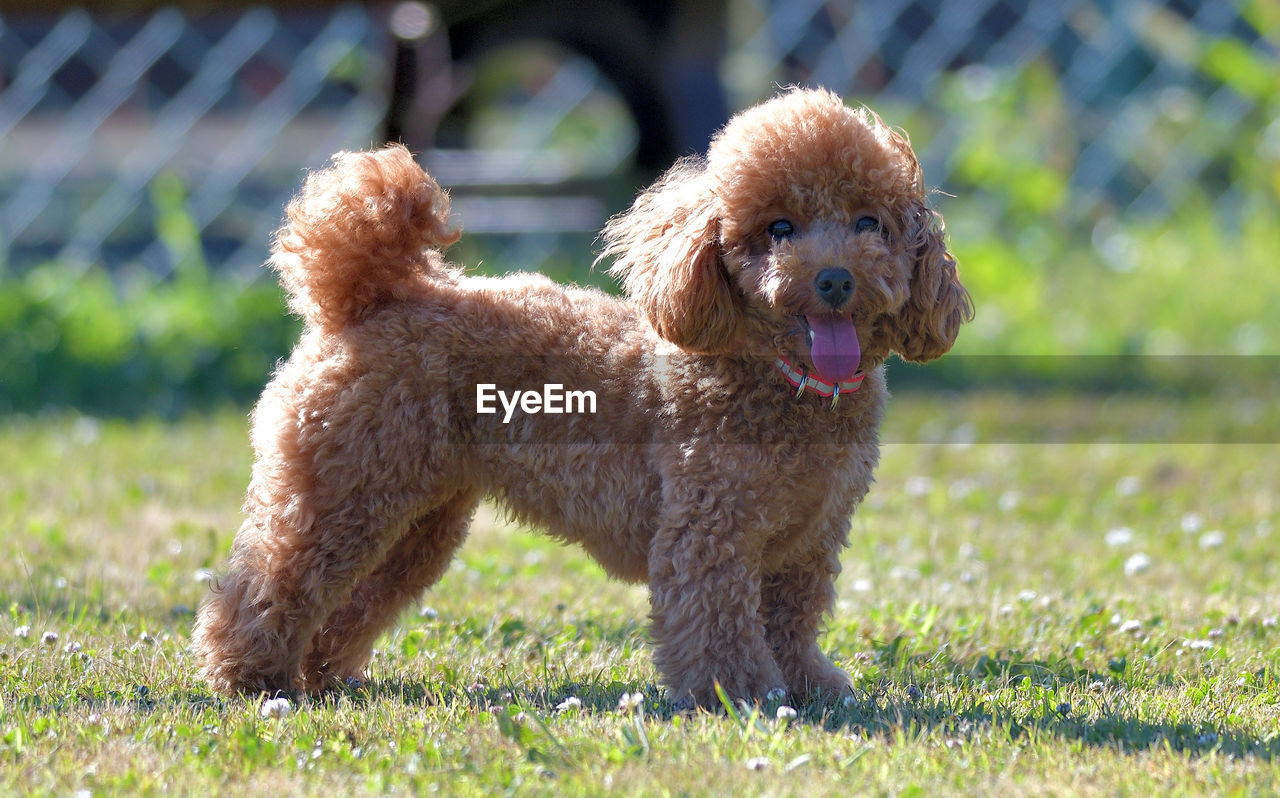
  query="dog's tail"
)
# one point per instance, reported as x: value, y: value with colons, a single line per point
x: 366, y: 229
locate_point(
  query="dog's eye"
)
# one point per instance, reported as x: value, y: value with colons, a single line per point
x: 780, y: 229
x: 866, y: 224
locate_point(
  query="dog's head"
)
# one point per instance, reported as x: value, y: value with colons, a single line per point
x: 803, y: 233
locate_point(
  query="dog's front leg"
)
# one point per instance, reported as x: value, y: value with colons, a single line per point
x: 704, y: 578
x: 794, y: 601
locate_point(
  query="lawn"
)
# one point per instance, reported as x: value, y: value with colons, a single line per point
x: 1022, y: 614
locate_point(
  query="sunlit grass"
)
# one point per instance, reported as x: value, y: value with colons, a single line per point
x: 1003, y: 637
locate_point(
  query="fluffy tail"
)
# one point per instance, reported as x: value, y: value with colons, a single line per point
x: 365, y: 229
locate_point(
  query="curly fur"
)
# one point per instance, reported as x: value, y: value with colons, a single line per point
x: 698, y: 474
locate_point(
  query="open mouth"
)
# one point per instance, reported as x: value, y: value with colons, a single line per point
x: 833, y: 345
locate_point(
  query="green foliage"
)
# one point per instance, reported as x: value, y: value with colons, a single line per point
x: 131, y: 345
x: 128, y: 343
x: 1056, y: 268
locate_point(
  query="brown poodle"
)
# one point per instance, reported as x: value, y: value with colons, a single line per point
x: 726, y: 414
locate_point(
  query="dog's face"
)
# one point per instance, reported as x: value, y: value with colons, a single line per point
x: 805, y: 234
x: 819, y: 209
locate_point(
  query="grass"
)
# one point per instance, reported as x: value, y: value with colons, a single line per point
x: 1060, y: 618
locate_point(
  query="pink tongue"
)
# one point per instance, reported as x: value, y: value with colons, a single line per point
x: 835, y: 351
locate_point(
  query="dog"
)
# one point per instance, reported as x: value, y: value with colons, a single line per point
x: 737, y: 388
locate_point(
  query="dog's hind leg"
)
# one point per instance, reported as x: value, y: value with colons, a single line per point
x: 251, y: 632
x: 331, y: 494
x: 341, y: 646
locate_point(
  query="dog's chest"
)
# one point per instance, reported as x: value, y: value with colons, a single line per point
x: 815, y: 496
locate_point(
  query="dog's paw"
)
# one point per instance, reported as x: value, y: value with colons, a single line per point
x: 826, y: 684
x: 714, y: 700
x: 684, y: 706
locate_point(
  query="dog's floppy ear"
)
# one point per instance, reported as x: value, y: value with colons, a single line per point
x: 667, y: 256
x: 926, y: 325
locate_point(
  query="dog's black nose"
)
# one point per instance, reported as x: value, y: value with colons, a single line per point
x: 834, y: 286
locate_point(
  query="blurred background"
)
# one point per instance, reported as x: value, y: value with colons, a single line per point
x: 1109, y: 169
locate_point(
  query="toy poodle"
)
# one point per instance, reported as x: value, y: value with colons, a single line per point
x: 710, y: 434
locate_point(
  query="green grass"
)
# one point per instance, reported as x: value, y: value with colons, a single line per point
x: 1003, y: 633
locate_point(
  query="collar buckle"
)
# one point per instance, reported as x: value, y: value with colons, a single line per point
x: 803, y: 381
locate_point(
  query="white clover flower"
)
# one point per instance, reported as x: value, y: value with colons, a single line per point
x: 1199, y: 645
x: 1136, y: 564
x: 572, y: 702
x: 963, y: 436
x: 1120, y: 536
x: 1009, y: 501
x: 430, y: 613
x: 22, y: 632
x: 776, y: 694
x: 630, y: 702
x: 1212, y: 539
x: 86, y: 430
x: 72, y: 648
x: 1027, y: 596
x: 904, y: 573
x: 850, y: 702
x: 49, y: 638
x: 277, y: 708
x: 918, y: 486
x: 1192, y: 523
x: 861, y: 586
x: 1132, y: 626
x: 758, y: 763
x: 1128, y: 485
x: 786, y: 713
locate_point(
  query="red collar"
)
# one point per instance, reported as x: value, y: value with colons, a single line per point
x: 802, y: 380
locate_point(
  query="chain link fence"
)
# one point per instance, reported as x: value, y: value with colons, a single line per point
x: 146, y: 139
x: 98, y: 114
x: 1144, y: 104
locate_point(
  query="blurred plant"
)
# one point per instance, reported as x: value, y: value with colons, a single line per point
x: 74, y: 337
x: 1057, y: 268
x: 131, y: 344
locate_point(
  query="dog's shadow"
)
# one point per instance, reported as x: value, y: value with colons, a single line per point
x: 966, y: 713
